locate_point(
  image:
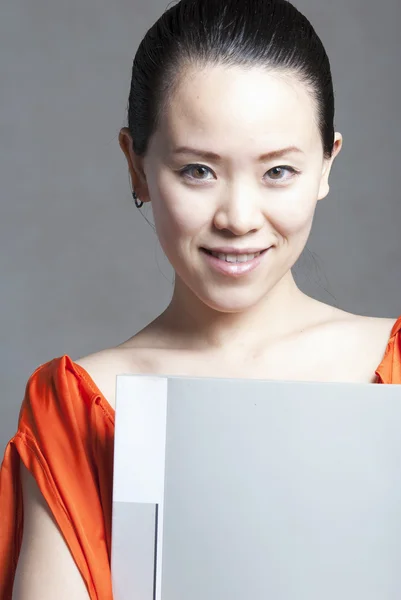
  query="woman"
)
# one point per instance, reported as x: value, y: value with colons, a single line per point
x: 230, y: 137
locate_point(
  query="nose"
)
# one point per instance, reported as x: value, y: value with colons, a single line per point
x: 240, y: 213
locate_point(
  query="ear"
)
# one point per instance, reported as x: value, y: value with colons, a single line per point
x: 135, y: 165
x: 324, y: 187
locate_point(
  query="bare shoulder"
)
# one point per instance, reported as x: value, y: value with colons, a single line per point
x: 360, y: 330
x: 375, y: 329
x: 104, y: 366
x: 374, y: 335
x: 360, y: 342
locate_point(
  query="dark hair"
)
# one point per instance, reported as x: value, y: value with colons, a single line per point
x: 267, y: 33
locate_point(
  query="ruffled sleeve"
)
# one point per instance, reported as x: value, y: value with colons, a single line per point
x: 389, y: 370
x: 57, y: 441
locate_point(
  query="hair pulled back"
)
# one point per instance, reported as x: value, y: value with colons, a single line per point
x: 251, y: 33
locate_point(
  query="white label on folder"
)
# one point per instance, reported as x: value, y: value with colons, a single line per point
x: 140, y: 439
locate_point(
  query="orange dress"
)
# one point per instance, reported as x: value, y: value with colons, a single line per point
x: 65, y: 438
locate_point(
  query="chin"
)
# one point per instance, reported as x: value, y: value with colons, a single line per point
x: 228, y: 303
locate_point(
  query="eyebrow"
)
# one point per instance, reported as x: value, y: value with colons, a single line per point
x: 216, y: 157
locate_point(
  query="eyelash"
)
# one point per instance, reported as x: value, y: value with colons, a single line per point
x: 185, y: 170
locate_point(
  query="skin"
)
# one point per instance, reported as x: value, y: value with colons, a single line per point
x: 260, y: 325
x: 241, y: 202
x: 237, y: 201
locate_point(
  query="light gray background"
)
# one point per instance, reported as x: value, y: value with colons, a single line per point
x: 80, y: 268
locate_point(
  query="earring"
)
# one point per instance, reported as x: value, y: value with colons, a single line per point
x: 138, y: 203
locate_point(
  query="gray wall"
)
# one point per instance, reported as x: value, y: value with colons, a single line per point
x: 80, y: 268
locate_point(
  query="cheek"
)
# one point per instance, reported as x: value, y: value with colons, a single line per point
x: 293, y: 212
x: 177, y: 219
x: 292, y: 220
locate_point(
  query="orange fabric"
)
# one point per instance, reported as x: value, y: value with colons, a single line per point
x: 65, y: 438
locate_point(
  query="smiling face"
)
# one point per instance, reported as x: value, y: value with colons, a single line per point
x: 248, y: 180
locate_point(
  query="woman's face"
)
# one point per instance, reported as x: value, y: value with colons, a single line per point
x: 236, y: 167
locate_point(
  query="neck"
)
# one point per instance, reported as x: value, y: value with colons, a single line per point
x: 194, y: 325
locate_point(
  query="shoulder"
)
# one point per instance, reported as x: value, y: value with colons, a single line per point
x: 386, y: 334
x: 357, y: 328
x: 54, y: 397
x: 377, y: 329
x: 349, y: 346
x: 104, y: 366
x: 57, y: 431
x: 140, y: 355
x: 363, y: 331
x: 362, y: 342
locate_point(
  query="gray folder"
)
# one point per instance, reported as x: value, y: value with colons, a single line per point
x: 243, y: 489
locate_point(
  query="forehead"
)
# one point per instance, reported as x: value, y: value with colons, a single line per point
x: 241, y: 105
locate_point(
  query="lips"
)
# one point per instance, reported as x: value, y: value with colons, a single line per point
x: 233, y: 257
x: 233, y: 263
x: 233, y: 250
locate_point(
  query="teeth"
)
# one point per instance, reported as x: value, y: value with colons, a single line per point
x: 234, y: 258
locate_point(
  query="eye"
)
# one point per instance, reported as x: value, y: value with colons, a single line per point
x: 196, y: 169
x: 277, y: 173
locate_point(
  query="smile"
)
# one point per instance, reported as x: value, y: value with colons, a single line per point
x: 234, y: 265
x: 234, y: 258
